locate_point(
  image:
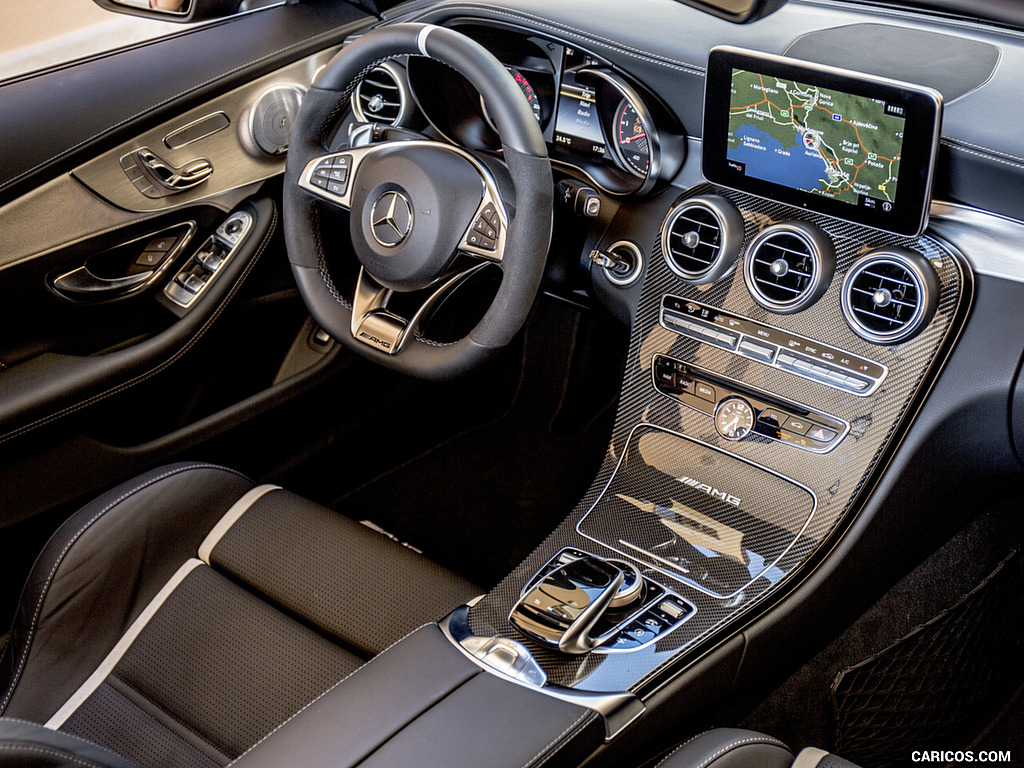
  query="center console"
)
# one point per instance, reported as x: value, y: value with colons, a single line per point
x: 786, y: 333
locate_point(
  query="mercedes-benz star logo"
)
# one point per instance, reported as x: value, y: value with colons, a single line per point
x: 391, y: 219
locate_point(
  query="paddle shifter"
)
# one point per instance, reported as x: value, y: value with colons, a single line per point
x: 563, y: 607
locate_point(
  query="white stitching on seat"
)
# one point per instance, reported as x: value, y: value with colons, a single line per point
x: 742, y: 742
x: 166, y: 363
x: 688, y: 741
x: 66, y: 734
x: 314, y: 701
x: 544, y: 752
x: 52, y: 752
x: 60, y: 559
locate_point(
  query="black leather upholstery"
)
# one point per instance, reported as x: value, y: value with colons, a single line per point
x: 738, y: 748
x: 142, y: 633
x: 29, y: 745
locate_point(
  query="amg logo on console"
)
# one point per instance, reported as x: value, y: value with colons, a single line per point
x: 713, y: 492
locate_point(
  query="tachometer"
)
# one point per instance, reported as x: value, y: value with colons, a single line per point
x: 631, y: 142
x: 528, y: 92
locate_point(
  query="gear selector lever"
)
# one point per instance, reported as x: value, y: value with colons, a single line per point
x: 563, y: 607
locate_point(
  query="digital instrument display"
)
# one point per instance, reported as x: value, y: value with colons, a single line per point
x: 852, y: 146
x: 577, y: 123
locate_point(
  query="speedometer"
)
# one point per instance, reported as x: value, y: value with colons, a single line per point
x: 632, y: 145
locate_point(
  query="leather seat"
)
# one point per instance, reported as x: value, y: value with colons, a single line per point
x: 181, y: 617
x: 738, y: 748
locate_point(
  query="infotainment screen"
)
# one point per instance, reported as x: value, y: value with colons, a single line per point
x: 847, y: 145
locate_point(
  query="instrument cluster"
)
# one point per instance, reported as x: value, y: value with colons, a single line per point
x: 593, y: 119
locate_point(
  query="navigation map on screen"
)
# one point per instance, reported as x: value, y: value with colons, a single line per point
x: 825, y: 142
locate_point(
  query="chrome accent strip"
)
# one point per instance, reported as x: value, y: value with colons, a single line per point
x: 989, y: 242
x: 618, y: 710
x: 118, y: 651
x: 231, y: 517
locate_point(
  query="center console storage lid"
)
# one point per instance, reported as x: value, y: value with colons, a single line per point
x: 422, y: 702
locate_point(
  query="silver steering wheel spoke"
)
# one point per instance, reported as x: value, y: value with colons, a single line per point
x: 377, y: 326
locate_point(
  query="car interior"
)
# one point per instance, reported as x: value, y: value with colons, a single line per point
x: 461, y: 383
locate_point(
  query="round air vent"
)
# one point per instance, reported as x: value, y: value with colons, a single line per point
x: 789, y: 266
x: 701, y: 238
x: 381, y: 96
x: 890, y: 295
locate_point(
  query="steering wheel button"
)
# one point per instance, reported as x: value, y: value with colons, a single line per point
x: 490, y: 214
x: 337, y: 187
x: 319, y: 181
x: 487, y: 243
x: 485, y: 229
x: 339, y: 174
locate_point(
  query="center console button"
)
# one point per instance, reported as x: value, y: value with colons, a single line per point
x: 796, y: 425
x: 757, y: 351
x: 705, y: 391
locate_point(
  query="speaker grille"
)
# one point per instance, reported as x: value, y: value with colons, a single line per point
x: 789, y: 266
x: 700, y: 238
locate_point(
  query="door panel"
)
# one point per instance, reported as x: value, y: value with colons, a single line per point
x: 95, y: 387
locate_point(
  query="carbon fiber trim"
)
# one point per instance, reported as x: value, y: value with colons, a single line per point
x: 835, y: 479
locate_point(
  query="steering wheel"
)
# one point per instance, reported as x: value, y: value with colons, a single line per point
x: 424, y: 215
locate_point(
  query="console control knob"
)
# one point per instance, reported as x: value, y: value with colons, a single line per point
x: 632, y: 588
x: 734, y: 418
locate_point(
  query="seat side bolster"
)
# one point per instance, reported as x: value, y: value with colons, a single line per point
x: 97, y: 574
x: 730, y: 748
x: 25, y: 745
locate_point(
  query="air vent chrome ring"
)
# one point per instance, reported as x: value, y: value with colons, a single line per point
x: 789, y: 266
x: 382, y: 96
x: 890, y: 295
x: 701, y: 238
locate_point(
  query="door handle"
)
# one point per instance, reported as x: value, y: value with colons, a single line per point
x: 192, y: 174
x: 82, y: 284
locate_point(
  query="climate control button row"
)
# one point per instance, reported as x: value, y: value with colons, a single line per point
x: 799, y: 355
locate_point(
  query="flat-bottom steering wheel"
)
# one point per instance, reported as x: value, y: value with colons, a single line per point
x: 424, y: 215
